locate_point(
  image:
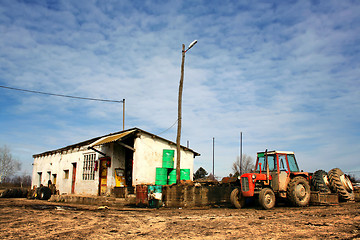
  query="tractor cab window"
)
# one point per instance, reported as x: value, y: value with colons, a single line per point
x: 292, y: 163
x: 282, y: 163
x: 272, y: 163
x: 262, y: 160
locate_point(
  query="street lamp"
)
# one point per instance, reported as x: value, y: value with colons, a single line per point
x: 179, y: 111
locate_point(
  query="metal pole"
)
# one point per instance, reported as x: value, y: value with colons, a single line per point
x: 213, y: 158
x: 240, y: 153
x: 123, y: 114
x: 179, y: 117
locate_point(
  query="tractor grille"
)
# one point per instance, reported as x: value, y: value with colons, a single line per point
x: 244, y: 184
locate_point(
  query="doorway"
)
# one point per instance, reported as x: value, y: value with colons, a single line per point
x: 73, y: 178
x: 103, y: 171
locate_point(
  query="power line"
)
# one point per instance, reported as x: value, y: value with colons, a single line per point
x: 62, y: 95
x: 168, y: 128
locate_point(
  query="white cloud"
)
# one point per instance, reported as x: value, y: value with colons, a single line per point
x: 284, y: 74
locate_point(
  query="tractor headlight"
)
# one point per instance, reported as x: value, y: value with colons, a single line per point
x: 253, y: 176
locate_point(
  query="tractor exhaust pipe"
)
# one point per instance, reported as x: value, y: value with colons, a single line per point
x: 267, y: 169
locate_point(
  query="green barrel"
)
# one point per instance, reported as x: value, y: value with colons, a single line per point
x: 161, y: 176
x: 168, y: 158
x: 184, y: 174
x: 172, y: 177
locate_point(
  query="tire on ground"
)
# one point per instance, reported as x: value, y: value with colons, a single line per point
x: 341, y: 184
x: 320, y: 181
x: 267, y: 198
x: 43, y: 193
x: 237, y: 199
x: 298, y: 191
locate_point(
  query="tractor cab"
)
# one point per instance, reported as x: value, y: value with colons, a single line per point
x: 277, y: 160
x: 273, y: 169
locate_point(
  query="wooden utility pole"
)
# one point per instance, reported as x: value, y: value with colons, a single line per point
x: 179, y: 117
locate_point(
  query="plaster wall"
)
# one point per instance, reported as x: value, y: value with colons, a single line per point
x: 148, y: 156
x: 59, y: 164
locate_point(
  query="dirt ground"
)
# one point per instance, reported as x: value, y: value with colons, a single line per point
x: 36, y: 219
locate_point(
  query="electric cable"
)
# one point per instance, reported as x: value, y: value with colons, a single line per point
x: 62, y: 95
x: 168, y: 128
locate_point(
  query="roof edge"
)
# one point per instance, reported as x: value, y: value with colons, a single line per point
x: 92, y: 140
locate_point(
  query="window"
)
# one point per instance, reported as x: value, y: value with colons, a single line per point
x: 88, y: 166
x: 272, y: 163
x: 271, y: 160
x: 282, y: 163
x: 66, y: 174
x: 292, y: 163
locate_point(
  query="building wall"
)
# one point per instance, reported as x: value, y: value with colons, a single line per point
x: 58, y: 164
x: 148, y: 156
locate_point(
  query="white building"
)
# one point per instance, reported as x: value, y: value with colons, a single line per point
x: 98, y: 165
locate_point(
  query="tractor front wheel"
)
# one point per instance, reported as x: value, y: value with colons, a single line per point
x: 237, y: 199
x: 267, y: 198
x: 298, y: 191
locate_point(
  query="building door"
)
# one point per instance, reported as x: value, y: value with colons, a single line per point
x: 103, y: 175
x: 73, y: 178
x: 39, y: 175
x: 54, y: 179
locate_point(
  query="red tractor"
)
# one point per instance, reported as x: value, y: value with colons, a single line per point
x: 277, y: 175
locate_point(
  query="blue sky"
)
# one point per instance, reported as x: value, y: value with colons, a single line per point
x: 285, y: 73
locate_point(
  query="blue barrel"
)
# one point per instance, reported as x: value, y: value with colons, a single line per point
x: 155, y: 196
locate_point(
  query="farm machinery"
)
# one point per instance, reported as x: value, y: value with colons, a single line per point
x: 277, y: 176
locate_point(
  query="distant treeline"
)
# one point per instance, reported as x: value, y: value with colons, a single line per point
x: 16, y: 181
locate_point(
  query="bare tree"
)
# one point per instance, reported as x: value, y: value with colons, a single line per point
x: 8, y: 164
x: 246, y: 166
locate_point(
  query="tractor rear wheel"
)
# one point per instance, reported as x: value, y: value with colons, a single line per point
x: 237, y: 199
x: 320, y: 181
x: 298, y: 191
x: 267, y: 198
x: 341, y: 184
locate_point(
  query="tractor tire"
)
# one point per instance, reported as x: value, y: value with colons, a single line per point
x: 320, y: 181
x: 237, y: 199
x: 43, y: 193
x: 298, y: 192
x: 341, y: 184
x: 267, y: 198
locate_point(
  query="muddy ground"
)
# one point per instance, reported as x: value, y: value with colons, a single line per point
x: 36, y: 219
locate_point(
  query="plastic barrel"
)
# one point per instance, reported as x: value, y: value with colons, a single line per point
x: 155, y: 196
x: 172, y: 177
x: 184, y: 174
x: 154, y: 188
x: 168, y: 158
x: 161, y: 176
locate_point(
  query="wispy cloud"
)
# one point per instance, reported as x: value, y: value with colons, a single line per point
x: 285, y: 74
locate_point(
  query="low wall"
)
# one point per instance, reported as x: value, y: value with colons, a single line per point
x: 196, y: 196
